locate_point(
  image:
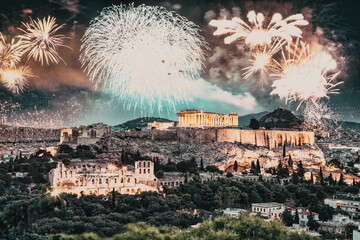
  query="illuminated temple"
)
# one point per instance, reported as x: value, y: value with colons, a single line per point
x: 100, y: 177
x: 199, y: 118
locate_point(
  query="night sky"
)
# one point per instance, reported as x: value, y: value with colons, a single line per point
x: 63, y: 92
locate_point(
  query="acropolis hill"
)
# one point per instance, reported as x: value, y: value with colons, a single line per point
x: 215, y: 138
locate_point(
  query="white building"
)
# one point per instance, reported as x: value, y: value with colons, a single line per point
x: 270, y: 210
x: 160, y: 125
x: 101, y: 177
x: 350, y: 206
x: 233, y: 212
x: 336, y: 225
x: 304, y: 217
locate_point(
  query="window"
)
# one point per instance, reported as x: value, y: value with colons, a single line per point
x: 148, y: 164
x: 93, y: 181
x: 140, y: 171
x: 99, y: 181
x: 128, y: 180
x: 139, y: 165
x: 107, y: 181
x: 115, y: 180
x: 148, y: 170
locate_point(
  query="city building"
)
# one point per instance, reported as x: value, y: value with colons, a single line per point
x: 356, y: 233
x: 304, y: 217
x: 352, y: 207
x: 84, y: 135
x: 100, y: 177
x: 172, y: 179
x: 336, y: 225
x: 233, y: 212
x: 160, y: 125
x: 199, y: 118
x: 270, y: 210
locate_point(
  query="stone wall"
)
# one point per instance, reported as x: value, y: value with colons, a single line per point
x: 261, y: 138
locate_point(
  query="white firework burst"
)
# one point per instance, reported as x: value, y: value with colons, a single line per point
x: 304, y: 76
x: 145, y: 56
x: 320, y: 114
x: 257, y: 34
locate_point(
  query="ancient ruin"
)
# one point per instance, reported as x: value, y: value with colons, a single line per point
x: 199, y: 118
x: 101, y: 177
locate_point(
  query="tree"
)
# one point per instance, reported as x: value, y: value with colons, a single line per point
x: 341, y: 180
x: 235, y: 166
x: 253, y: 168
x: 291, y: 163
x: 202, y: 164
x: 287, y: 218
x: 66, y: 161
x: 321, y: 176
x: 312, y: 178
x: 254, y: 124
x: 330, y: 179
x: 300, y: 171
x: 296, y: 218
x: 284, y: 151
x: 312, y: 224
x: 258, y: 168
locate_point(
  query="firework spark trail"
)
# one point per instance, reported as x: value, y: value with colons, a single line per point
x: 15, y: 79
x: 40, y: 41
x: 262, y: 61
x: 319, y: 114
x: 10, y: 52
x: 256, y: 34
x: 143, y: 55
x: 304, y: 76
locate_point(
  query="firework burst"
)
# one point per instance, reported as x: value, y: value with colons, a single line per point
x: 10, y: 52
x: 257, y: 34
x: 143, y: 55
x: 304, y: 76
x: 320, y: 114
x: 262, y: 61
x: 40, y: 41
x: 16, y: 79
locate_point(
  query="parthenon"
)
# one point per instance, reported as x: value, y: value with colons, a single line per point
x: 199, y: 118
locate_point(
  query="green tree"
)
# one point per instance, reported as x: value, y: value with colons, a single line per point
x: 341, y: 180
x: 291, y: 163
x: 300, y: 171
x: 284, y: 150
x: 312, y: 224
x: 287, y: 218
x: 321, y: 176
x: 258, y: 168
x: 254, y: 124
x: 202, y: 164
x: 296, y: 217
x: 235, y: 166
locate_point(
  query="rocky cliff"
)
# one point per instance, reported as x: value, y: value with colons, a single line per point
x: 221, y: 154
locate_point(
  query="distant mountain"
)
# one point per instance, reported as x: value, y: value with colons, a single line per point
x: 139, y: 123
x: 350, y: 125
x: 280, y: 118
x: 245, y: 120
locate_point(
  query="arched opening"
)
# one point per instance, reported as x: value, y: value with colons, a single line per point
x: 90, y: 192
x: 95, y: 192
x: 139, y: 190
x: 127, y: 190
x: 106, y: 191
x: 132, y: 191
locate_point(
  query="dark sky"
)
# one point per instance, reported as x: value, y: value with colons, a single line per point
x: 64, y: 92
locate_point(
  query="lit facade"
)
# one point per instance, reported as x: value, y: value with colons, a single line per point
x: 199, y: 118
x: 160, y: 125
x: 99, y: 177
